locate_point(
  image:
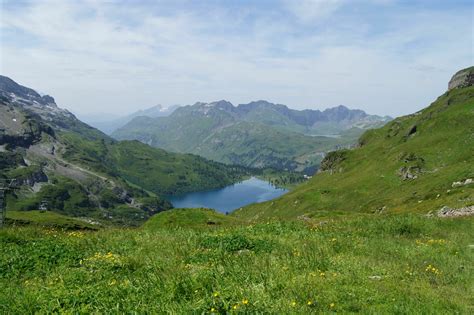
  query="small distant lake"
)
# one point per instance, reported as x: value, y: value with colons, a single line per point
x: 231, y: 197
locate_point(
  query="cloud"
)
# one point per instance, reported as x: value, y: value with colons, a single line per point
x: 98, y: 56
x: 312, y: 10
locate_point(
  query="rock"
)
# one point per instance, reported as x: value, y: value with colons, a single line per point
x: 304, y: 218
x: 375, y: 278
x: 412, y: 130
x: 447, y: 212
x: 462, y: 79
x: 462, y: 183
x: 409, y: 173
x: 333, y: 160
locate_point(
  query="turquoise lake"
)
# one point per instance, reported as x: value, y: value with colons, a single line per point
x: 231, y: 197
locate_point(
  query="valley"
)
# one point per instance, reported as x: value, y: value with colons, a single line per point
x: 237, y: 157
x: 384, y: 226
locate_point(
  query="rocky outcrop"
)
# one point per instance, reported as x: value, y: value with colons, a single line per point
x: 447, y: 212
x: 462, y: 79
x: 332, y: 162
x: 31, y: 179
x: 13, y: 91
x: 463, y: 183
x: 413, y: 166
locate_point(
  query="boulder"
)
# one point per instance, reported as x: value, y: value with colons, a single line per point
x: 462, y: 79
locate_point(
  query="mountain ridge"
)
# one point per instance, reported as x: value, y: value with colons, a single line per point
x: 252, y: 134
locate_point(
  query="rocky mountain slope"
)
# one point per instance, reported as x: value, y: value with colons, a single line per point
x: 421, y: 162
x: 59, y: 163
x: 258, y: 134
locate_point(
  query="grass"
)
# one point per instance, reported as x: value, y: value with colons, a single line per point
x: 373, y: 264
x: 47, y: 219
x: 190, y: 218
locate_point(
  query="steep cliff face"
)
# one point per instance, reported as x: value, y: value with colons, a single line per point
x: 462, y: 79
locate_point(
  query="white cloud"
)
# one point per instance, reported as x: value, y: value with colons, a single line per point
x: 99, y: 57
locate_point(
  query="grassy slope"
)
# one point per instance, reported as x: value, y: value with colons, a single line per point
x: 47, y: 219
x: 190, y: 218
x: 370, y: 264
x: 254, y: 144
x: 367, y: 180
x: 153, y: 169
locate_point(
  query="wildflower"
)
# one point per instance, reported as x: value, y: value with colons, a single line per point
x: 333, y: 239
x: 322, y: 274
x: 309, y: 303
x: 216, y: 294
x: 235, y: 306
x: 245, y: 302
x: 332, y: 305
x: 213, y: 309
x: 433, y: 270
x: 293, y: 303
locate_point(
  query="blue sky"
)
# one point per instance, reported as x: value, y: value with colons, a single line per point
x: 383, y: 56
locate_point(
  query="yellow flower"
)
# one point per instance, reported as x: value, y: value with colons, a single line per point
x: 293, y: 303
x: 235, y: 306
x: 309, y: 303
x: 332, y: 305
x: 213, y: 309
x: 245, y: 301
x: 216, y: 294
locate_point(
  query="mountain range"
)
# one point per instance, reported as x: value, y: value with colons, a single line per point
x: 109, y: 125
x: 62, y: 164
x: 258, y: 134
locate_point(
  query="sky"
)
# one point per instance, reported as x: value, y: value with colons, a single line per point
x: 102, y: 58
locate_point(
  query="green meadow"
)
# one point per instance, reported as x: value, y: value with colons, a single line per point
x: 211, y: 263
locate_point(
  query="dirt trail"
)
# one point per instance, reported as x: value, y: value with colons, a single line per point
x: 66, y: 168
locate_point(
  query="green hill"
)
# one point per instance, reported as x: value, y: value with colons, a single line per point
x: 418, y: 163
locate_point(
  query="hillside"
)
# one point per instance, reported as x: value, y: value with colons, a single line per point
x: 59, y: 163
x: 418, y: 163
x: 259, y: 134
